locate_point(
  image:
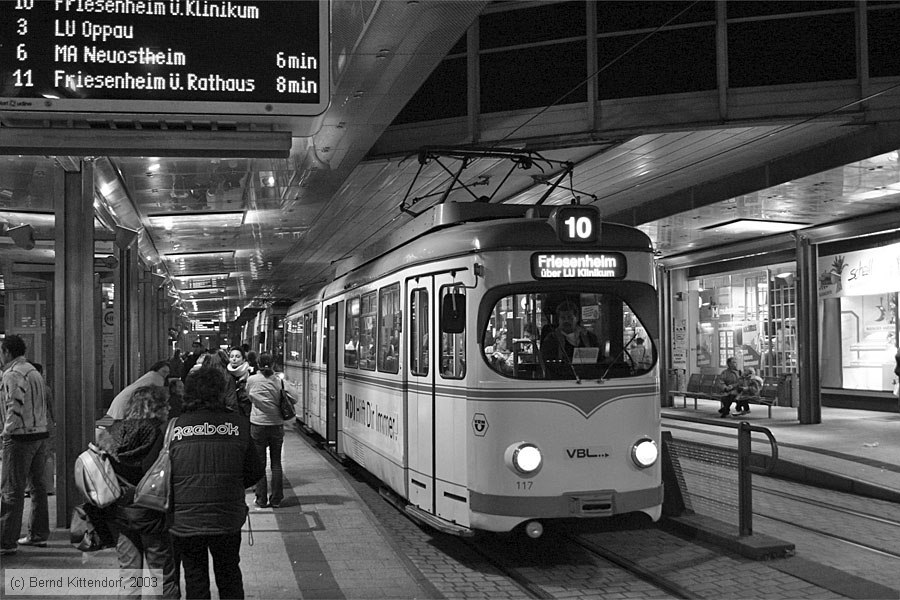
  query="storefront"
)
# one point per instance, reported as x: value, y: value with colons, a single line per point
x: 751, y: 308
x: 749, y: 313
x: 858, y: 325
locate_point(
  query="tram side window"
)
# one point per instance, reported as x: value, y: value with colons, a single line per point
x: 314, y: 334
x: 418, y: 332
x: 351, y: 333
x: 293, y: 338
x: 566, y: 334
x: 368, y: 312
x: 389, y: 329
x: 453, y: 345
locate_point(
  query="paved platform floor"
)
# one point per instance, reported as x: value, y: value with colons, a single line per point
x: 326, y: 542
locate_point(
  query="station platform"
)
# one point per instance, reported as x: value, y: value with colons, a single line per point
x: 322, y: 542
x: 857, y: 451
x: 325, y: 541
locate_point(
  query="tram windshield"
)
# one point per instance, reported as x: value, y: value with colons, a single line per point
x: 566, y: 335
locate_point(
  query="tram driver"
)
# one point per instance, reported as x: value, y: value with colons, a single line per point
x: 559, y: 343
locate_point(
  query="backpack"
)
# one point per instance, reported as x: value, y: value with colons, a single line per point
x: 95, y: 478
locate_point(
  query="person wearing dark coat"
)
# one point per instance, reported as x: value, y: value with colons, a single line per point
x: 133, y: 443
x: 191, y: 359
x: 213, y: 462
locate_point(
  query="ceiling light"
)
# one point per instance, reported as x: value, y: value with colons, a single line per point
x: 36, y: 219
x: 754, y: 226
x: 203, y: 276
x: 881, y: 192
x: 209, y: 219
x: 181, y: 256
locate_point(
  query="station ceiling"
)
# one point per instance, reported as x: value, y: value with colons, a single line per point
x: 233, y: 232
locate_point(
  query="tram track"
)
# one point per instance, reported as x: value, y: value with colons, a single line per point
x: 844, y: 515
x: 599, y: 566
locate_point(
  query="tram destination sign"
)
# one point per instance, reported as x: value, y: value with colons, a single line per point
x: 197, y: 57
x: 578, y: 265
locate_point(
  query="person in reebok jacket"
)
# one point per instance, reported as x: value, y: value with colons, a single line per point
x: 213, y: 462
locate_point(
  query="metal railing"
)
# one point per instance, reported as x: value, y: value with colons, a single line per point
x: 706, y: 468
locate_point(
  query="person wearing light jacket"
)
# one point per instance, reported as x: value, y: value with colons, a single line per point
x: 267, y: 429
x: 25, y: 412
x: 213, y: 462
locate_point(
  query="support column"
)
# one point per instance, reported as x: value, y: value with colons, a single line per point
x: 76, y: 340
x: 663, y: 365
x: 810, y: 406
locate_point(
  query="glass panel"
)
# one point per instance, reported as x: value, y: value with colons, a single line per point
x: 314, y: 335
x: 567, y: 334
x: 293, y: 338
x: 389, y: 329
x: 367, y: 312
x: 453, y: 345
x: 418, y: 334
x: 351, y: 334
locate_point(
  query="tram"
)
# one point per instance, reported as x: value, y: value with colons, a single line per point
x: 481, y: 363
x: 265, y: 331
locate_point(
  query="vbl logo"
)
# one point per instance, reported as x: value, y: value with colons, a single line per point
x: 585, y: 453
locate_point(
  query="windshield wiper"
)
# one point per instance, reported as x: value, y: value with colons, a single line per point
x: 618, y: 356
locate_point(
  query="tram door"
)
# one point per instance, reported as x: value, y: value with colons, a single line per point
x: 420, y: 394
x: 436, y: 446
x: 331, y: 361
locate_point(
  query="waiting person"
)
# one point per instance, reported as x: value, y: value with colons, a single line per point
x: 211, y: 468
x: 897, y: 372
x: 253, y: 362
x: 197, y: 350
x: 157, y: 375
x: 750, y: 386
x: 560, y: 342
x: 239, y: 369
x: 729, y: 385
x: 25, y: 413
x: 176, y: 397
x: 134, y: 443
x: 267, y: 429
x: 176, y: 364
x: 641, y: 355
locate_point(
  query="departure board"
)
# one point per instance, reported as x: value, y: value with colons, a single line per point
x: 198, y: 57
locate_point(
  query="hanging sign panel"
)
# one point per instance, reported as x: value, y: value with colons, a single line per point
x: 199, y: 57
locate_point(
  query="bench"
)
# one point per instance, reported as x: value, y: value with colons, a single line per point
x: 705, y: 387
x: 699, y: 387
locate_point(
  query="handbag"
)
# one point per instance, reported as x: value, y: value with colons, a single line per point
x: 88, y: 531
x: 286, y: 404
x: 154, y: 489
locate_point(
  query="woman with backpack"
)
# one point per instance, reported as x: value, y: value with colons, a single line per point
x: 133, y: 444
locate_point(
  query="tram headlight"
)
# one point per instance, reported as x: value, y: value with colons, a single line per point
x: 524, y: 458
x: 644, y: 453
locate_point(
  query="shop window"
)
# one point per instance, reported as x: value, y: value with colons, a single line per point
x: 750, y: 315
x: 857, y: 293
